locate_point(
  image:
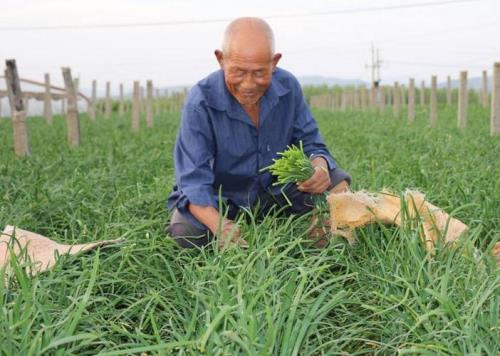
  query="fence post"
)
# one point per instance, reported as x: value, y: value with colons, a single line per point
x: 72, y: 119
x: 63, y: 106
x: 47, y: 100
x: 396, y: 105
x: 120, y: 104
x: 411, y: 100
x: 149, y: 103
x: 433, y: 101
x: 403, y: 96
x: 422, y: 93
x: 484, y: 92
x: 21, y: 141
x: 92, y: 105
x: 381, y: 103
x: 136, y: 110
x: 142, y: 105
x: 108, y: 101
x: 463, y: 96
x: 495, y: 100
x: 448, y: 91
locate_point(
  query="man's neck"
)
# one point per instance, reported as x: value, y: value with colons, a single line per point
x: 253, y: 111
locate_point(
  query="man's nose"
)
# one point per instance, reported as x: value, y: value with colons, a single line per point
x: 248, y: 82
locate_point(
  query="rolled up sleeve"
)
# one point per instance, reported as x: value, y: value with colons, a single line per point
x: 306, y: 130
x: 193, y: 159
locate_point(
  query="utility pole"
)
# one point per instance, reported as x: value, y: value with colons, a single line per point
x: 375, y: 67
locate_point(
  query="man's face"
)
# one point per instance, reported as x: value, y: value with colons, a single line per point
x: 247, y: 75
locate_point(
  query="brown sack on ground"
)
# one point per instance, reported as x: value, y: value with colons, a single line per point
x: 40, y: 249
x: 351, y: 210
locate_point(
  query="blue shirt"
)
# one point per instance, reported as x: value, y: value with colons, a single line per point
x: 218, y: 146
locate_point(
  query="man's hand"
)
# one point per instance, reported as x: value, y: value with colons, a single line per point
x: 230, y: 234
x: 209, y: 216
x: 320, y: 180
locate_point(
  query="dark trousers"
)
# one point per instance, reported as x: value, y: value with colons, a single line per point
x: 188, y: 235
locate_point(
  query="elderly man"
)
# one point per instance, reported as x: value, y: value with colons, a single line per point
x: 233, y: 124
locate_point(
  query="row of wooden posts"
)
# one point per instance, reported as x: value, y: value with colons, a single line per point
x: 140, y: 104
x: 397, y: 96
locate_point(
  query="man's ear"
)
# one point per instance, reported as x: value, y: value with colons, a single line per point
x: 220, y: 56
x: 276, y: 58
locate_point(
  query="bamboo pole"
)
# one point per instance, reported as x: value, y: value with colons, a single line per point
x: 463, y: 98
x: 495, y: 100
x: 20, y: 131
x: 47, y: 100
x: 72, y: 119
x: 136, y: 110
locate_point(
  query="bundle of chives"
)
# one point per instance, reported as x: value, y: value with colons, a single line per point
x: 292, y: 167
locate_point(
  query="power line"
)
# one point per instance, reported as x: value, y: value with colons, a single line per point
x: 206, y: 21
x: 434, y: 65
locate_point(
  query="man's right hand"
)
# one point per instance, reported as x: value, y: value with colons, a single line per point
x: 230, y: 234
x: 210, y: 217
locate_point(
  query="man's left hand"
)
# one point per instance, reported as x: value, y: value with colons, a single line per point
x: 320, y: 180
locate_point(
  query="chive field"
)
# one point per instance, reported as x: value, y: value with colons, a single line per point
x: 282, y: 296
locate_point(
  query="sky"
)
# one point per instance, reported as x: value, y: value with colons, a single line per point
x: 174, y: 43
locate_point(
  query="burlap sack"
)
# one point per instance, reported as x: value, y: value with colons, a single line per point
x: 350, y: 210
x: 41, y: 251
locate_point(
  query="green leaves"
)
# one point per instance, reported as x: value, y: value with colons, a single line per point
x: 292, y: 167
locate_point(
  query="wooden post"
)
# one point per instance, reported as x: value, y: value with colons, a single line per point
x: 107, y: 108
x: 403, y: 96
x: 411, y: 100
x: 463, y: 96
x: 142, y: 105
x: 27, y: 107
x: 72, y: 119
x: 63, y: 106
x: 47, y: 100
x: 362, y: 98
x: 495, y: 100
x: 373, y: 97
x: 92, y: 105
x: 448, y: 91
x: 433, y: 101
x: 21, y: 141
x: 396, y: 106
x: 157, y: 102
x: 121, y: 104
x: 136, y: 110
x: 381, y: 103
x: 149, y: 103
x: 484, y: 91
x: 422, y: 93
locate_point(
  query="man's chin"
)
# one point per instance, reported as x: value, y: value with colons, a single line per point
x: 247, y: 100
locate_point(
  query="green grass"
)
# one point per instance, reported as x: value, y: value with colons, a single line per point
x: 281, y: 296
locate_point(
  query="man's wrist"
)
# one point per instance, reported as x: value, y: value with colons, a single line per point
x: 319, y: 161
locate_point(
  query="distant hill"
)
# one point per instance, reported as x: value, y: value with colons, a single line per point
x: 330, y: 81
x: 475, y: 83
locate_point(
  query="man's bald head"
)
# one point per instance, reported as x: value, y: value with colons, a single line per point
x: 248, y: 59
x: 248, y: 31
